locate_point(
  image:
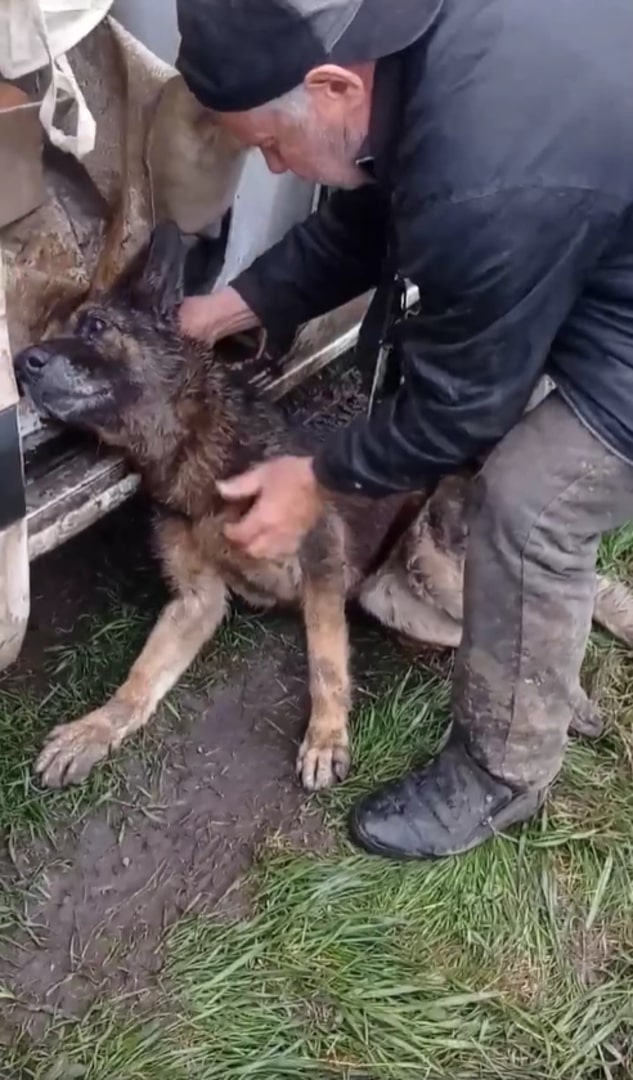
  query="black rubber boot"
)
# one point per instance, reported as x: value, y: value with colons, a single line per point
x: 446, y: 808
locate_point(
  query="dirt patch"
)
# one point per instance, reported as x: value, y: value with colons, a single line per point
x: 328, y: 400
x: 178, y: 842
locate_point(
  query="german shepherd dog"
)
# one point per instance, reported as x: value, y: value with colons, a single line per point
x: 184, y: 421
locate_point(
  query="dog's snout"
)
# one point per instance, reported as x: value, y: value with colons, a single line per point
x: 31, y: 361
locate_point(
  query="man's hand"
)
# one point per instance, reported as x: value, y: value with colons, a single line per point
x: 212, y: 317
x: 288, y: 504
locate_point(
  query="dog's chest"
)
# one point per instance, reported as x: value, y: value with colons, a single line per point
x: 263, y: 583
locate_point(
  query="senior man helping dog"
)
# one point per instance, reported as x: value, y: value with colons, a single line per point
x: 484, y: 150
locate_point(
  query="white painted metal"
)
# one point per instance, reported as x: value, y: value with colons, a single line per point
x: 154, y: 22
x: 14, y: 559
x: 14, y: 591
x: 265, y: 207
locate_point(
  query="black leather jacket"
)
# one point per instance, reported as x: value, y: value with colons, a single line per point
x: 502, y: 147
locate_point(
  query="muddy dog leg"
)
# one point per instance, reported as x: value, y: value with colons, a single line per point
x: 418, y: 591
x: 181, y: 631
x: 389, y: 598
x: 324, y: 756
x: 614, y: 608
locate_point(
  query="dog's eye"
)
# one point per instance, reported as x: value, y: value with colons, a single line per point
x: 91, y: 326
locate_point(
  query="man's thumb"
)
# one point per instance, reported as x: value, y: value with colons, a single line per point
x: 241, y: 487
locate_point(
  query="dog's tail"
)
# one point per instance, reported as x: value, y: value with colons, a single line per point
x: 613, y: 608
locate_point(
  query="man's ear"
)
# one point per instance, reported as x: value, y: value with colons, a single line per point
x: 336, y: 82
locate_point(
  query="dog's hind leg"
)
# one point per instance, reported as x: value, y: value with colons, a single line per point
x: 418, y: 590
x: 182, y: 629
x: 388, y: 596
x: 613, y: 608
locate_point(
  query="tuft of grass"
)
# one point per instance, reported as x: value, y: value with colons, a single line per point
x: 391, y: 729
x: 616, y: 553
x: 78, y: 678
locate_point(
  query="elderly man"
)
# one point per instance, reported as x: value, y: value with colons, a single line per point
x: 486, y: 147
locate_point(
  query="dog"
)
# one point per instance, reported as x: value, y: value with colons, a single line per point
x: 185, y: 421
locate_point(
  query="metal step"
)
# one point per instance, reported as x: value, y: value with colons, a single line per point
x: 77, y: 487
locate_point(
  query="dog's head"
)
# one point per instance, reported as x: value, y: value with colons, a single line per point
x: 121, y: 362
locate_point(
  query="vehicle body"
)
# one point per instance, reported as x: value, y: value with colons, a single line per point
x: 54, y: 486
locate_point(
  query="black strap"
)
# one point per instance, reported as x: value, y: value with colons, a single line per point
x: 403, y: 519
x: 375, y: 357
x: 12, y: 497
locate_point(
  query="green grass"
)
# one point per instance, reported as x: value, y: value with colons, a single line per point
x: 515, y: 961
x: 77, y: 678
x: 616, y: 553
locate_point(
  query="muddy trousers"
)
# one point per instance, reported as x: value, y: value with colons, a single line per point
x: 544, y: 497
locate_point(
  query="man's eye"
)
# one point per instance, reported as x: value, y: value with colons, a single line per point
x: 91, y: 326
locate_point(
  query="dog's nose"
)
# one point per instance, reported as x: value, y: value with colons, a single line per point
x: 31, y: 360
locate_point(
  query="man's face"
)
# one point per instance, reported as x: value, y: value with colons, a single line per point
x: 318, y: 134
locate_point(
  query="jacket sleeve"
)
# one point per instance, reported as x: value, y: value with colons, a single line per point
x: 325, y: 261
x: 497, y: 275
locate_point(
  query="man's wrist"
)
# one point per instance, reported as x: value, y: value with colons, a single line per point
x: 237, y: 316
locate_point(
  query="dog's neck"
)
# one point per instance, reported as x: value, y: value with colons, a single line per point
x: 182, y: 455
x: 180, y: 468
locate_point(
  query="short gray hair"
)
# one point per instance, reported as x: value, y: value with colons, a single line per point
x: 294, y: 101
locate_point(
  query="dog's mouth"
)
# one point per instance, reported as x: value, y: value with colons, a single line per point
x: 30, y: 394
x: 54, y: 411
x: 60, y: 387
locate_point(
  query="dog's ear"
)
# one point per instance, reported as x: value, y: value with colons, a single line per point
x: 159, y: 286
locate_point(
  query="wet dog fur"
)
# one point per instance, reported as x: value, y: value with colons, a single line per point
x: 185, y: 421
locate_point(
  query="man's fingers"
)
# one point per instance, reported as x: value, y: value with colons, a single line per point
x: 270, y: 545
x: 259, y: 540
x: 264, y: 548
x: 242, y: 487
x: 285, y: 507
x: 245, y: 532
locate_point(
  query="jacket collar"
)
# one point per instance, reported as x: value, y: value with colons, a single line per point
x: 375, y: 155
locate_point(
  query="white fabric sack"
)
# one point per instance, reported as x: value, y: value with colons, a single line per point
x: 37, y: 34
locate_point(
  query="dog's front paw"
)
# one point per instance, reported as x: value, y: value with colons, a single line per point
x: 323, y: 759
x: 71, y: 750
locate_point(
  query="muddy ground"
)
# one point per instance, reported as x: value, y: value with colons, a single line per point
x: 96, y: 897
